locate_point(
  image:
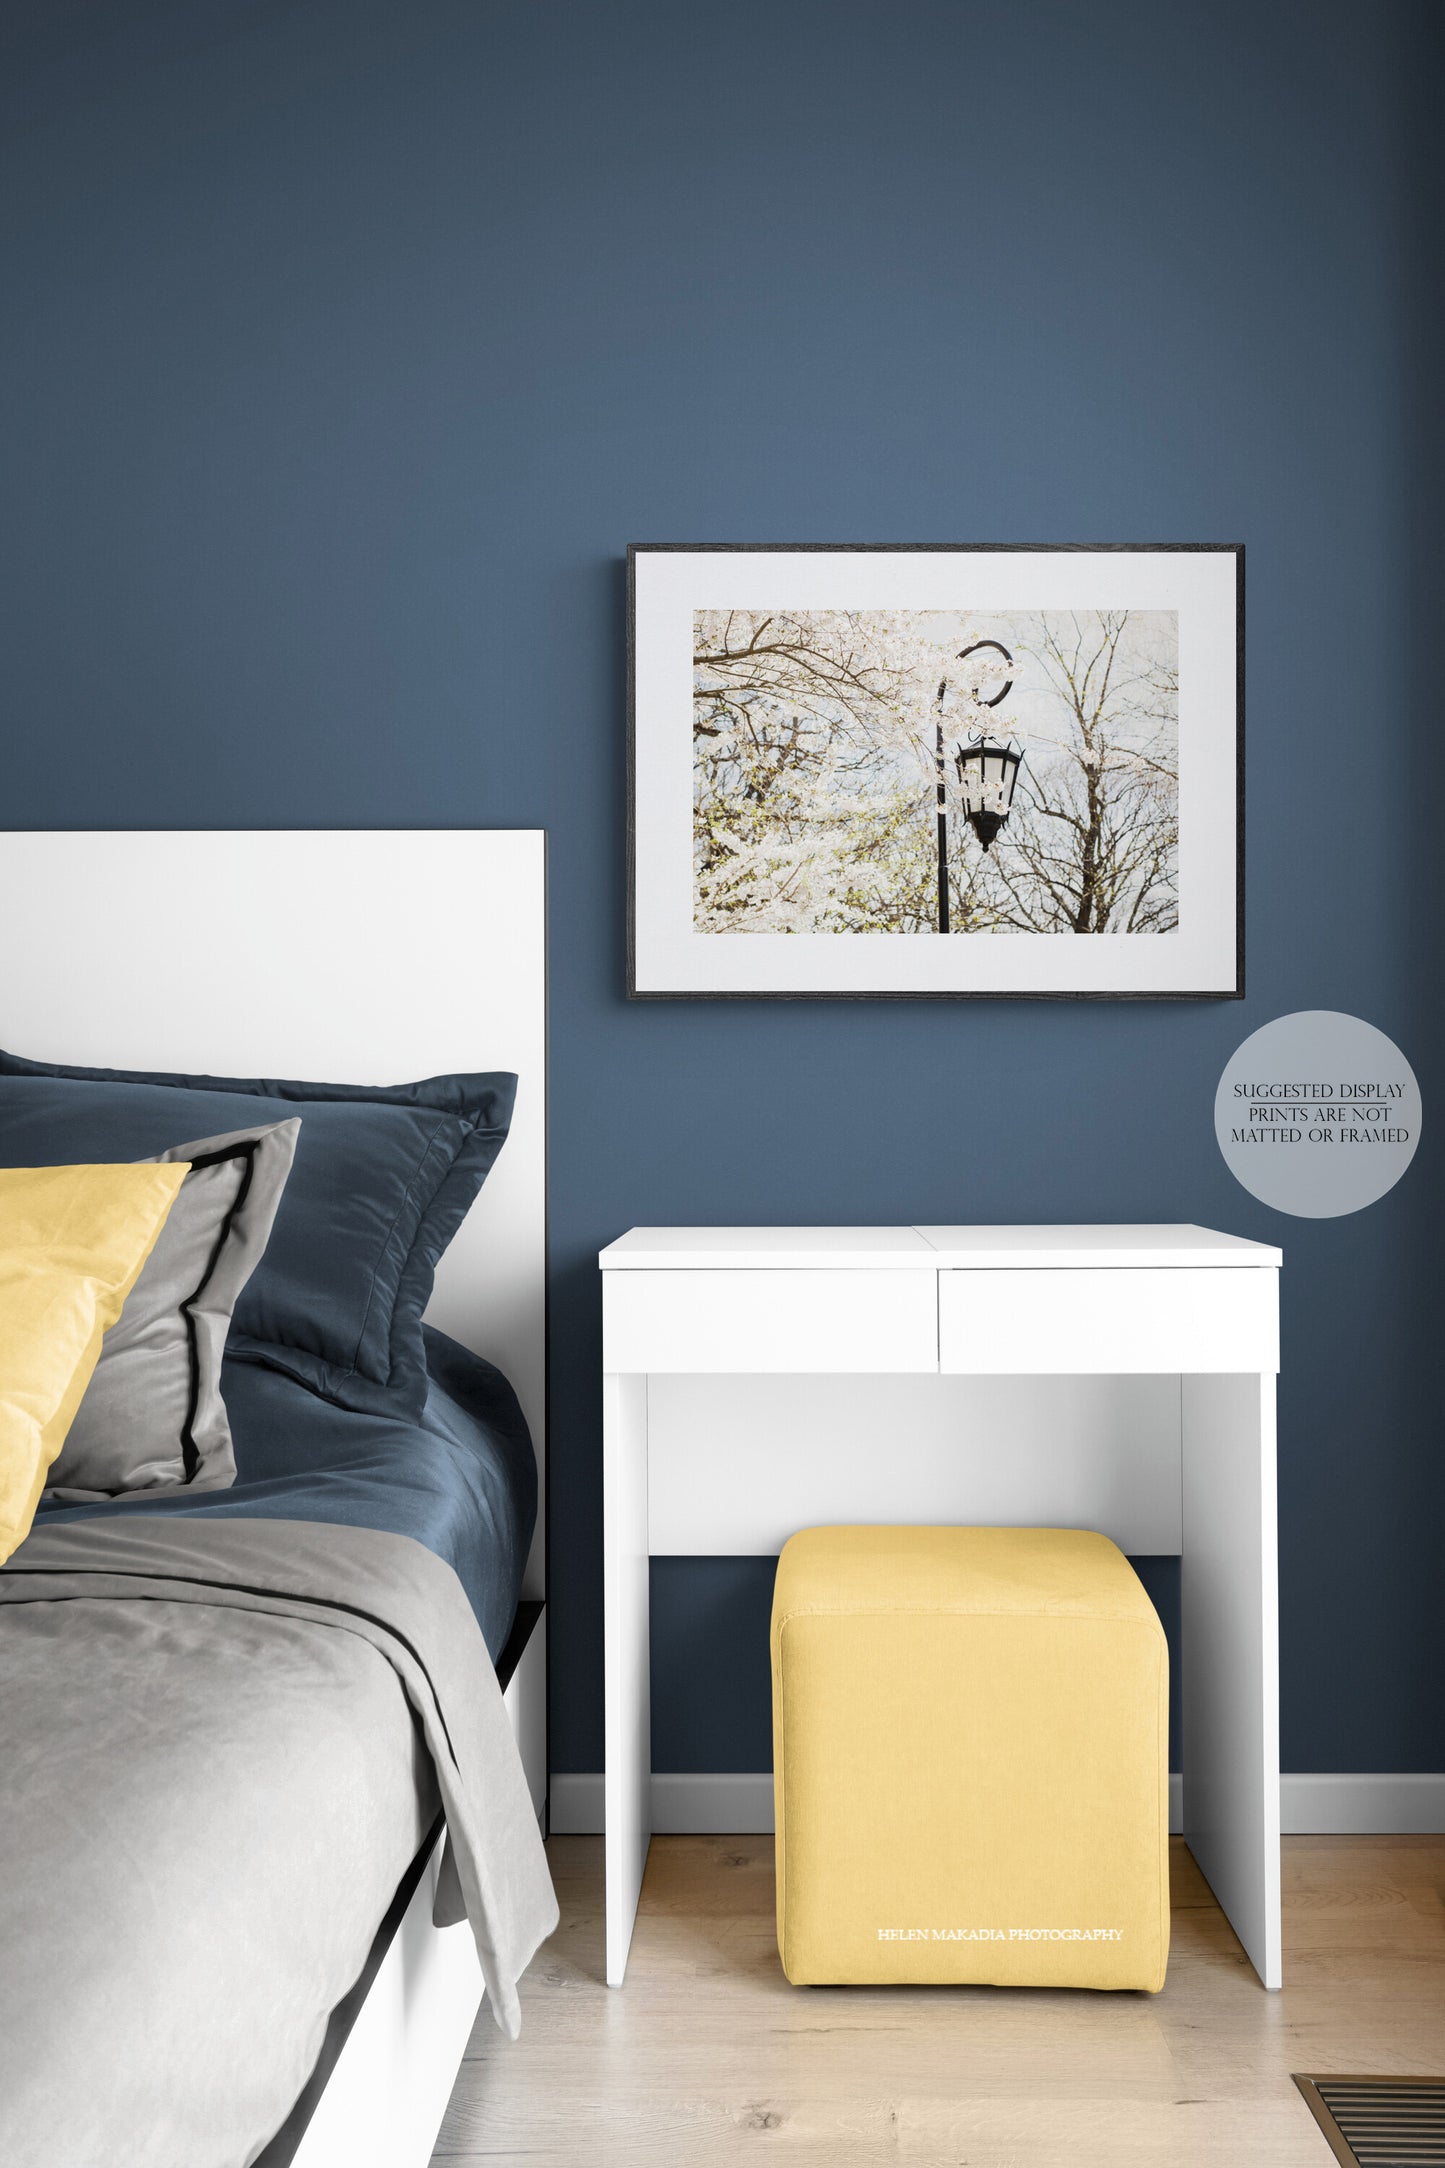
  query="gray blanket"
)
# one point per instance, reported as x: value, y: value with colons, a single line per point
x: 221, y: 1743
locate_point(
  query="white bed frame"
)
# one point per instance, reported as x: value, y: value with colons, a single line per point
x: 364, y: 957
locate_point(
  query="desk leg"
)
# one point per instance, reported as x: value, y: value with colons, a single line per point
x: 1230, y: 1588
x: 626, y: 1661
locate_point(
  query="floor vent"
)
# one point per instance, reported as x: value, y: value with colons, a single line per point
x: 1380, y: 2122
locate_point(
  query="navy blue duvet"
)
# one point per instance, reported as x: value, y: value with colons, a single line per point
x: 461, y: 1479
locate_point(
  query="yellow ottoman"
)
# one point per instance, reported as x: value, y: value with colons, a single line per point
x: 970, y: 1750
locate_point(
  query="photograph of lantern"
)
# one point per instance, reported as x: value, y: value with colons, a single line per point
x: 928, y: 772
x: 878, y: 782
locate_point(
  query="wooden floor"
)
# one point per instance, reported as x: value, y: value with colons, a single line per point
x: 707, y: 2056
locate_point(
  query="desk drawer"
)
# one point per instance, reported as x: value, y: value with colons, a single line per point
x: 1116, y: 1320
x: 770, y: 1321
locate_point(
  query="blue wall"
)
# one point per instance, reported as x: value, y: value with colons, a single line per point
x: 346, y: 345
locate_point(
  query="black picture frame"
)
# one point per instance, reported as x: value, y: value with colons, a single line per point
x: 1234, y: 991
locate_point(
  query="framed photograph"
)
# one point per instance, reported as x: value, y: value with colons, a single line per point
x: 879, y: 773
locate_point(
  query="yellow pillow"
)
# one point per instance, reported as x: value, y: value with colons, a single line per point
x: 72, y: 1243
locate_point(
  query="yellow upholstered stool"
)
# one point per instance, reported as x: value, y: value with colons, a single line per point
x: 970, y: 1755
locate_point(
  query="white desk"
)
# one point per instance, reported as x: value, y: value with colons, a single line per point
x: 762, y: 1379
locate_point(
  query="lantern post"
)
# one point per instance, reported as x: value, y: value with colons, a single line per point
x: 981, y: 793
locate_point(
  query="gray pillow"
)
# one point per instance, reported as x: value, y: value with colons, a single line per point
x: 153, y: 1415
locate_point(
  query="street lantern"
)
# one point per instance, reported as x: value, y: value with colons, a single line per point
x: 987, y: 773
x: 987, y: 786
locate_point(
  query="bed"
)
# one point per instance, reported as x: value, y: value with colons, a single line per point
x: 291, y: 1815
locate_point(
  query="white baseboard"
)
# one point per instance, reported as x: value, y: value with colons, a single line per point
x: 681, y: 1805
x: 1351, y: 1805
x: 743, y: 1805
x: 574, y: 1804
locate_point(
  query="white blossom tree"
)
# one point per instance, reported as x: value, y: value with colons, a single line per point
x: 810, y: 771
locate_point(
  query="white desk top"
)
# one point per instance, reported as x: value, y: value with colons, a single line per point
x: 692, y: 1249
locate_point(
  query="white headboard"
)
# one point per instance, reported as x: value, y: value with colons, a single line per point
x: 348, y: 956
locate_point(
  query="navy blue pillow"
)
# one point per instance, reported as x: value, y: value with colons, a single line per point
x: 382, y: 1180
